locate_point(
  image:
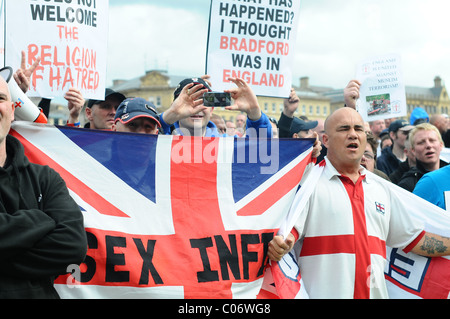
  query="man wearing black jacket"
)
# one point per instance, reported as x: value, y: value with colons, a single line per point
x: 41, y: 226
x: 426, y: 146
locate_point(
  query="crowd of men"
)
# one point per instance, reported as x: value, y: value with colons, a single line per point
x: 401, y: 151
x: 345, y: 145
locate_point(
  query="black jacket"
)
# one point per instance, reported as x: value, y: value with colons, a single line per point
x: 413, y: 175
x: 41, y: 227
x: 396, y: 176
x: 387, y: 162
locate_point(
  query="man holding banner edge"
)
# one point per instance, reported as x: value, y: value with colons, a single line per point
x: 345, y: 136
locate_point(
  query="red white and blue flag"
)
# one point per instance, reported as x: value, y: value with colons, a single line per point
x: 410, y: 276
x: 169, y: 216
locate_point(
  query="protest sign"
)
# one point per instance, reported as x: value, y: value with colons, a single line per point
x: 255, y: 41
x: 69, y: 36
x: 382, y: 91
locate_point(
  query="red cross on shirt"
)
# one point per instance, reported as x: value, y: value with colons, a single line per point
x: 360, y: 243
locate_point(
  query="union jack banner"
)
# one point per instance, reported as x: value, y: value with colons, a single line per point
x: 169, y: 216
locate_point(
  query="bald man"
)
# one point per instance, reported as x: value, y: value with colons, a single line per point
x: 348, y: 221
x: 41, y: 226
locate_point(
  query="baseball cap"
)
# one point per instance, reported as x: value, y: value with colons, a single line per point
x: 419, y: 115
x: 108, y: 92
x: 384, y: 132
x: 185, y: 82
x: 300, y: 125
x: 133, y: 108
x: 400, y: 124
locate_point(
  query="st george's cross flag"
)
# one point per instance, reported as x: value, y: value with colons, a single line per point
x: 408, y: 276
x: 170, y: 216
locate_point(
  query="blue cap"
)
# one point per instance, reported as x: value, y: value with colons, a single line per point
x: 133, y: 108
x: 300, y: 125
x: 418, y: 115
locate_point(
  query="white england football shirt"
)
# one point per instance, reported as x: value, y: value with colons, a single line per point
x: 344, y: 230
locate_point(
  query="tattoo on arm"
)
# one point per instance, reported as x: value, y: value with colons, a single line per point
x: 433, y: 245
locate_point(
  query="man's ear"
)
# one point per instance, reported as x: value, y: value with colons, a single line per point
x: 12, y: 111
x: 393, y: 135
x: 88, y: 112
x: 325, y: 140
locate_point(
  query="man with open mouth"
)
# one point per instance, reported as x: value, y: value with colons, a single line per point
x: 426, y: 146
x: 349, y: 219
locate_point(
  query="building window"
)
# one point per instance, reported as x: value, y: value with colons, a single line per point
x: 304, y: 110
x: 325, y: 111
x: 311, y: 109
x: 266, y: 107
x: 274, y: 107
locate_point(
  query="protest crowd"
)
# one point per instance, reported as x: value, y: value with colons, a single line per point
x: 403, y: 152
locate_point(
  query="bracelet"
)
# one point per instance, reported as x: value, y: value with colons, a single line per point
x: 77, y: 124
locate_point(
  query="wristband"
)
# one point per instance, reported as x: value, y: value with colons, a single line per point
x: 77, y: 124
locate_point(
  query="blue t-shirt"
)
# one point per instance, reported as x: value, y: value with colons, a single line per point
x: 432, y: 186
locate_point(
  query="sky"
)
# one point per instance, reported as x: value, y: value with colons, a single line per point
x: 332, y: 37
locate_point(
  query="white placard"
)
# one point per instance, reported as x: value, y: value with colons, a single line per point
x: 382, y: 91
x: 70, y: 36
x: 255, y: 41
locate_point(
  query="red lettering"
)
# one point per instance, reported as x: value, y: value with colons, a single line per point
x: 67, y: 56
x: 280, y: 48
x: 261, y: 45
x: 243, y: 46
x: 37, y: 76
x: 33, y: 51
x: 84, y: 78
x: 263, y: 79
x: 93, y: 60
x: 281, y: 81
x: 96, y: 80
x: 52, y: 78
x: 45, y: 55
x: 76, y: 52
x: 252, y: 45
x: 226, y: 75
x: 90, y: 80
x: 273, y: 79
x: 55, y: 58
x: 224, y: 42
x: 68, y: 78
x: 233, y: 43
x: 69, y: 33
x: 270, y: 47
